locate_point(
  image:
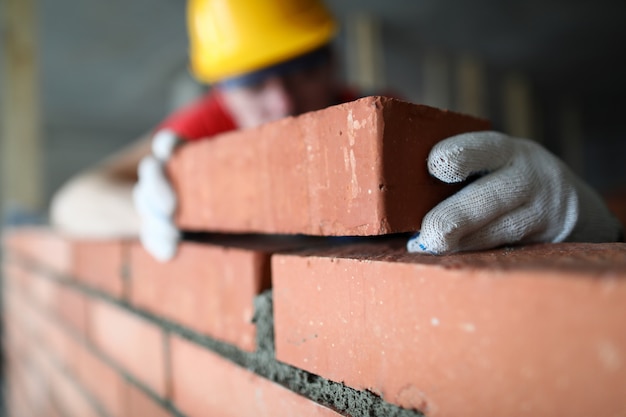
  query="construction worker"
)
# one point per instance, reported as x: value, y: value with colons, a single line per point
x: 267, y: 60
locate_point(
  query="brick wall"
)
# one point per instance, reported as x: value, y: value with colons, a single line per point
x: 293, y: 325
x: 359, y: 328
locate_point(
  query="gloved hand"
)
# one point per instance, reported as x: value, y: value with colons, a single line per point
x: 523, y: 194
x: 155, y: 199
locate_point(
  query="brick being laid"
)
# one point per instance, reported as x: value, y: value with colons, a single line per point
x: 535, y: 331
x: 353, y: 169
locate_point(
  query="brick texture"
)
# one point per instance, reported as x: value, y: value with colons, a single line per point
x: 42, y: 245
x: 353, y: 169
x: 207, y: 288
x: 67, y: 394
x: 72, y: 307
x: 132, y: 342
x: 210, y: 286
x: 139, y: 405
x: 531, y: 331
x: 100, y: 264
x: 104, y: 383
x: 205, y: 384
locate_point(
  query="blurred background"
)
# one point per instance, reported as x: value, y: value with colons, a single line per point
x: 80, y: 79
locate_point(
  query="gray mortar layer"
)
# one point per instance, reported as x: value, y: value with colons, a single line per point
x: 343, y: 399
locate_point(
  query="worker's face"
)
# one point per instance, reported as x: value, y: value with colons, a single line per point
x: 278, y: 96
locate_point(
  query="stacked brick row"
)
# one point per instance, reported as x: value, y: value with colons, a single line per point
x: 277, y: 325
x: 360, y: 329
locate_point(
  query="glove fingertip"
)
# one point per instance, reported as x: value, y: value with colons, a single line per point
x: 416, y: 245
x: 443, y: 163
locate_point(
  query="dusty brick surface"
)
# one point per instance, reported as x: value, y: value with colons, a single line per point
x: 205, y: 384
x: 353, y: 169
x: 130, y: 341
x: 529, y: 331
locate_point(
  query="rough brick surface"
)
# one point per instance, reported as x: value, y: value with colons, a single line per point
x: 353, y: 169
x: 130, y: 341
x: 207, y: 288
x: 532, y: 331
x: 210, y: 286
x: 205, y: 384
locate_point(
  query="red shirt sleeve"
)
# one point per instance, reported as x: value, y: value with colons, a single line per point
x: 202, y: 118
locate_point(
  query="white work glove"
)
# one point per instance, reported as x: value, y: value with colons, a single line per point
x: 155, y: 199
x: 523, y: 194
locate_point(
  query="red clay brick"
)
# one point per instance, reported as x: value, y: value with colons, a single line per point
x: 100, y: 264
x: 139, y: 404
x: 38, y: 327
x: 20, y: 323
x: 208, y: 288
x: 66, y: 395
x: 103, y: 382
x: 52, y: 297
x: 59, y: 344
x: 42, y: 245
x: 25, y: 380
x: 42, y: 290
x: 130, y: 341
x: 536, y: 330
x: 353, y: 169
x: 205, y: 384
x: 72, y: 308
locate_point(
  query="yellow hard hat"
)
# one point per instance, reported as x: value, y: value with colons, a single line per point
x: 229, y: 38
